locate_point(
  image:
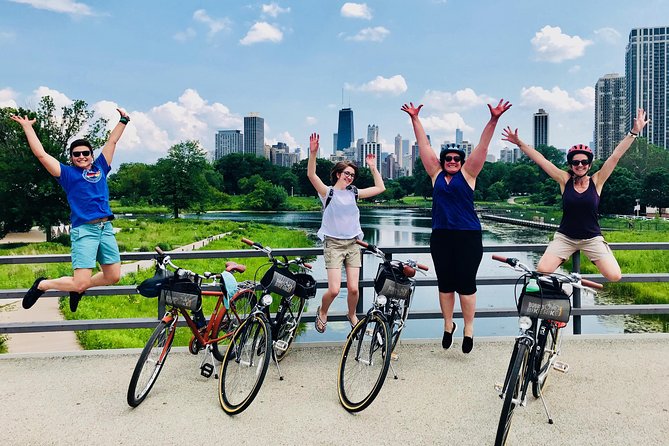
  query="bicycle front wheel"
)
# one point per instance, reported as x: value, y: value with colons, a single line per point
x: 151, y: 362
x: 512, y: 392
x: 241, y: 305
x: 245, y: 364
x: 288, y: 329
x: 364, y: 363
x: 548, y: 347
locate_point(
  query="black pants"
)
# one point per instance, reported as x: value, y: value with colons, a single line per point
x: 456, y: 256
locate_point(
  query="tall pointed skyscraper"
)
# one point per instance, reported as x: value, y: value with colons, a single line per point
x: 345, y: 134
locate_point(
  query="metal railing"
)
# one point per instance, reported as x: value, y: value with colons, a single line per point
x: 104, y: 324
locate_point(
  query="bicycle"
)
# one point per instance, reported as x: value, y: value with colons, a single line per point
x: 371, y: 344
x: 544, y: 308
x: 181, y: 292
x: 246, y: 360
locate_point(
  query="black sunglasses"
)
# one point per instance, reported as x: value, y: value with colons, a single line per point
x: 581, y: 162
x: 82, y: 153
x: 449, y: 158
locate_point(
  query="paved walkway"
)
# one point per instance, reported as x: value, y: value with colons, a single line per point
x: 616, y: 392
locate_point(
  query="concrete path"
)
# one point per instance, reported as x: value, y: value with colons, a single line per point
x: 615, y: 393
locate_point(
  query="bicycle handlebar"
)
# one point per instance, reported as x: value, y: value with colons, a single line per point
x: 573, y: 277
x: 297, y: 261
x: 377, y: 252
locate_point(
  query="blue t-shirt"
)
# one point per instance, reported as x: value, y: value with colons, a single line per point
x: 453, y: 204
x: 87, y: 191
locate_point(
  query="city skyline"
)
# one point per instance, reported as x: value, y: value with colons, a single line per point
x: 190, y: 70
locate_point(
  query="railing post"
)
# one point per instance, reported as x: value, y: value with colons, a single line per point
x: 576, y: 267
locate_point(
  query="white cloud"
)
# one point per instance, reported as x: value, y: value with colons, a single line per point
x: 376, y: 34
x: 62, y: 6
x: 273, y: 10
x: 309, y: 120
x: 356, y: 11
x: 8, y: 98
x: 608, y: 35
x: 460, y: 100
x: 60, y: 100
x: 284, y: 137
x: 184, y: 36
x: 262, y: 32
x: 394, y: 85
x: 551, y: 45
x: 215, y: 25
x: 557, y: 99
x: 443, y: 126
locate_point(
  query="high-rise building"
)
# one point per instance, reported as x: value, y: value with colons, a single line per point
x: 227, y: 142
x: 646, y: 76
x: 610, y: 114
x: 458, y: 136
x: 540, y: 128
x: 398, y: 150
x: 345, y: 133
x: 367, y: 148
x: 254, y: 135
x: 373, y: 133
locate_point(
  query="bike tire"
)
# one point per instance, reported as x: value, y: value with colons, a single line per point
x: 512, y: 389
x: 547, y: 348
x: 290, y: 324
x: 245, y: 365
x: 399, y: 320
x: 364, y: 363
x: 151, y: 362
x: 241, y: 305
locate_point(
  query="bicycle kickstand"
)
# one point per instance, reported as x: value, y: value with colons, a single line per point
x: 276, y: 362
x: 543, y: 401
x: 207, y: 364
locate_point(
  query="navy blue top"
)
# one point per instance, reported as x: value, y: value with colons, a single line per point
x: 86, y: 191
x: 453, y: 204
x: 580, y: 212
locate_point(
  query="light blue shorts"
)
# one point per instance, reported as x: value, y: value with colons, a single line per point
x: 91, y: 242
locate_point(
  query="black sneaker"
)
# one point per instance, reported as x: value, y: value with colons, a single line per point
x: 33, y: 294
x: 447, y: 340
x: 467, y: 344
x: 74, y: 300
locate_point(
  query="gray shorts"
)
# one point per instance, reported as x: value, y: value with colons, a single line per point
x: 338, y: 252
x: 594, y: 248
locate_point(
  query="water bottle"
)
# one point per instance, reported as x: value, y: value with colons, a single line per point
x: 532, y: 286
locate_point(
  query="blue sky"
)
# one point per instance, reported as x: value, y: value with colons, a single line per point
x: 184, y: 70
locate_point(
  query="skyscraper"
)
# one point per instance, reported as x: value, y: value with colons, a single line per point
x: 345, y: 134
x: 540, y: 128
x: 646, y: 73
x: 254, y: 135
x: 610, y: 114
x: 373, y: 148
x: 227, y: 142
x: 398, y: 150
x: 373, y: 133
x: 458, y: 136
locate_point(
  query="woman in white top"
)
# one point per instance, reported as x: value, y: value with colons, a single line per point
x: 340, y: 227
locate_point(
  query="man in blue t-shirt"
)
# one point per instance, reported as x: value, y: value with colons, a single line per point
x: 92, y: 234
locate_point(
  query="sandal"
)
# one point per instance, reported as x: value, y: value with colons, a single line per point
x: 319, y: 323
x: 351, y: 322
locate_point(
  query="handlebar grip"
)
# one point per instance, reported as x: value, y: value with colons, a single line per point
x: 591, y: 284
x: 499, y: 258
x: 159, y: 251
x: 362, y: 243
x: 307, y: 265
x: 247, y: 241
x: 421, y: 266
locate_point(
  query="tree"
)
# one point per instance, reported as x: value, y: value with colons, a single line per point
x: 407, y: 184
x: 243, y: 165
x: 323, y: 168
x: 422, y: 181
x: 655, y: 190
x: 28, y: 194
x: 179, y: 181
x: 131, y: 183
x: 642, y: 158
x: 265, y: 196
x: 522, y: 178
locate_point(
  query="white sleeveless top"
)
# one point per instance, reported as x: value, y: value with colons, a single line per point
x: 341, y: 219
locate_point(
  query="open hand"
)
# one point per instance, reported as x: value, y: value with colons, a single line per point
x: 370, y: 159
x: 23, y: 120
x: 314, y: 143
x: 511, y: 136
x: 411, y: 110
x: 640, y: 121
x: 498, y: 111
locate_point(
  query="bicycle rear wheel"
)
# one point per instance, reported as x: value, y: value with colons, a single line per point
x: 512, y: 392
x: 241, y: 305
x: 364, y: 363
x: 400, y: 318
x: 548, y: 347
x: 245, y: 364
x: 151, y: 362
x: 288, y: 329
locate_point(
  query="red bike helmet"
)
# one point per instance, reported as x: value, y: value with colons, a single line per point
x: 580, y: 148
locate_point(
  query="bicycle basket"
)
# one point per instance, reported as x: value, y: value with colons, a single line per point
x: 151, y: 286
x: 550, y: 302
x: 182, y: 293
x: 392, y: 283
x: 306, y: 285
x: 280, y: 281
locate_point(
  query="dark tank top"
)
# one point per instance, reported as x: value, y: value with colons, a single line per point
x: 580, y: 212
x: 453, y: 204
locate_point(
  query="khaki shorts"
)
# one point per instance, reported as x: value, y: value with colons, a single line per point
x: 338, y: 252
x: 594, y: 248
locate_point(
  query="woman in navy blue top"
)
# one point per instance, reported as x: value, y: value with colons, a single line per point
x: 579, y: 228
x: 456, y: 241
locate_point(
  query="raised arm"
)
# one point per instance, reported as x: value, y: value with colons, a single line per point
x: 611, y: 162
x: 476, y: 160
x: 51, y: 164
x: 378, y: 187
x: 114, y: 136
x: 551, y: 169
x: 318, y: 184
x: 427, y: 155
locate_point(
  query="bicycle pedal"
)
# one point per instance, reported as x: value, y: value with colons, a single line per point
x: 561, y: 366
x: 207, y: 370
x: 280, y: 345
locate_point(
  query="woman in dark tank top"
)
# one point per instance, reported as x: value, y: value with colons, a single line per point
x: 579, y: 228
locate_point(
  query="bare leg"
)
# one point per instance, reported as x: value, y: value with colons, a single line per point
x: 549, y: 263
x: 83, y: 279
x: 609, y: 268
x: 447, y: 302
x: 468, y: 304
x: 352, y: 281
x: 334, y: 284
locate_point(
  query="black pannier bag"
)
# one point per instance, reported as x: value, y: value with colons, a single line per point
x: 549, y: 302
x: 181, y: 292
x: 280, y: 281
x: 151, y: 287
x: 306, y: 285
x: 392, y: 283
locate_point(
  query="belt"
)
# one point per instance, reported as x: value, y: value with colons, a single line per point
x: 98, y: 220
